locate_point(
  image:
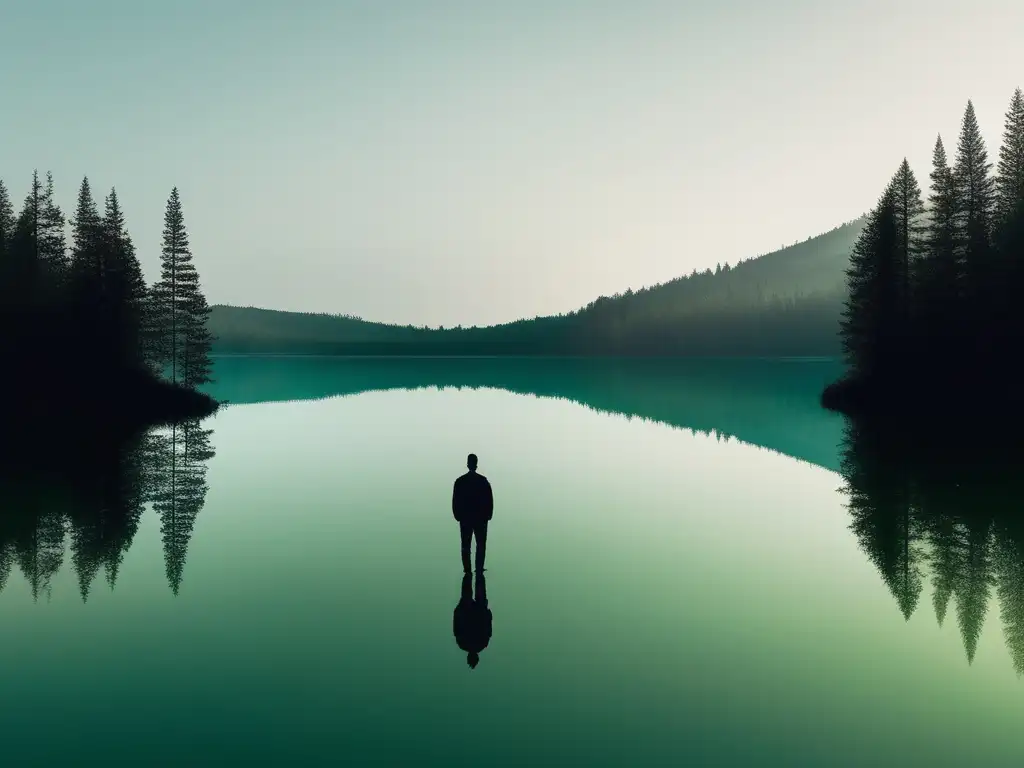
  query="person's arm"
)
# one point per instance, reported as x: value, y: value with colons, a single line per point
x: 489, y: 500
x: 455, y: 500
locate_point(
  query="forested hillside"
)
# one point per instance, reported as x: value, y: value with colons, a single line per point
x: 783, y: 303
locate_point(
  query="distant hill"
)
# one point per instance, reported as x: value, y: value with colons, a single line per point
x: 783, y: 303
x: 815, y: 266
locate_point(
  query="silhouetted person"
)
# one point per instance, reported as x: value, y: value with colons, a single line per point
x: 473, y: 507
x: 471, y: 622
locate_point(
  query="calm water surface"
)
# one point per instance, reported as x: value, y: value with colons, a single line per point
x: 674, y: 573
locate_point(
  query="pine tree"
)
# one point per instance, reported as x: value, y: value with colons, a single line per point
x: 24, y: 287
x: 910, y: 229
x: 1010, y: 223
x: 975, y: 192
x: 1009, y: 183
x: 940, y: 276
x: 873, y: 306
x: 89, y: 301
x: 125, y: 282
x: 179, y: 310
x: 7, y: 223
x: 87, y: 256
x: 53, y: 251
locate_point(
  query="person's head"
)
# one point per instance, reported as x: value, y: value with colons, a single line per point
x: 473, y: 658
x: 471, y: 462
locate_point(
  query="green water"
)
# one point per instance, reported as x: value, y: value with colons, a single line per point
x: 674, y: 576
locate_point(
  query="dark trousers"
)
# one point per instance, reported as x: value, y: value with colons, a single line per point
x: 469, y: 528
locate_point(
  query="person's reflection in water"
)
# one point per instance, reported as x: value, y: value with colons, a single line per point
x: 473, y: 507
x: 471, y: 622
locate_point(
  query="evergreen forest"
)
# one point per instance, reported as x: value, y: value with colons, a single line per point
x: 83, y: 333
x: 932, y: 283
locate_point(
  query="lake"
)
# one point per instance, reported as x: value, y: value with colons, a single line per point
x: 689, y: 564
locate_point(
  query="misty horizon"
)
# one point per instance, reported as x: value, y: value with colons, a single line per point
x: 544, y: 153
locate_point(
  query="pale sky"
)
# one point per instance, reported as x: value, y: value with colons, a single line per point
x: 474, y: 161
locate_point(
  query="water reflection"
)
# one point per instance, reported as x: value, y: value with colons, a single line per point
x: 772, y: 404
x: 472, y: 619
x: 954, y: 522
x: 178, y: 490
x: 945, y: 536
x: 94, y: 495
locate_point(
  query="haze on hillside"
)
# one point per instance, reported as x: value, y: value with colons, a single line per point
x: 469, y: 163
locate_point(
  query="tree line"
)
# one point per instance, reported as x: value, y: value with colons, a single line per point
x: 784, y: 303
x: 932, y: 286
x: 86, y: 299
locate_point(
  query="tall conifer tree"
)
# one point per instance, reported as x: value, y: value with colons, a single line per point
x: 975, y: 193
x: 1010, y: 222
x: 7, y: 222
x: 1009, y: 184
x: 125, y: 282
x: 177, y: 303
x: 910, y: 229
x: 52, y: 244
x: 90, y: 303
x: 86, y: 249
x: 940, y: 277
x: 873, y: 306
x: 26, y: 269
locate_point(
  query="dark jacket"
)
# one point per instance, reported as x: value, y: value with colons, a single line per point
x: 472, y: 500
